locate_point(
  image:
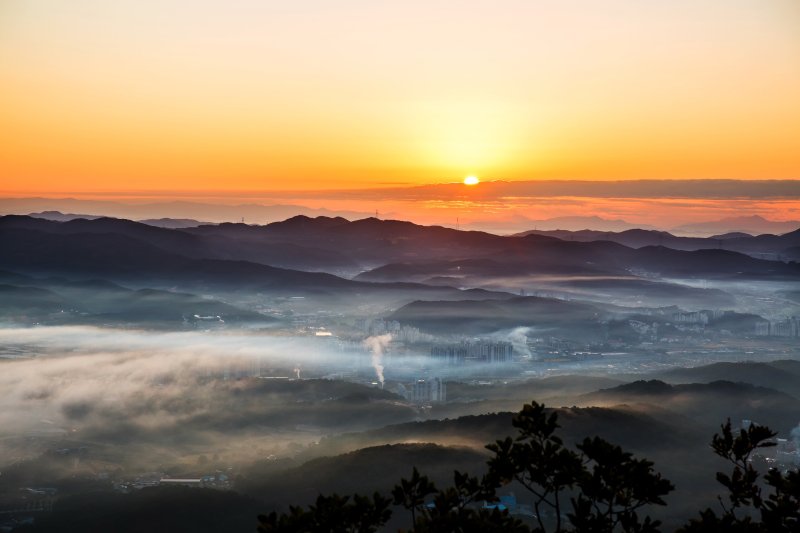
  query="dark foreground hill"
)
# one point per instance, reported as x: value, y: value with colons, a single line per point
x: 708, y: 402
x: 779, y: 375
x: 276, y: 484
x: 638, y: 430
x: 153, y: 509
x: 365, y: 471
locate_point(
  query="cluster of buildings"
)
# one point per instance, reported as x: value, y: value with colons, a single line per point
x: 481, y: 351
x: 400, y: 333
x: 789, y: 327
x: 203, y: 322
x: 696, y: 317
x: 217, y: 480
x: 644, y: 329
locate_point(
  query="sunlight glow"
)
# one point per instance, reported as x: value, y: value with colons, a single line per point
x: 471, y: 180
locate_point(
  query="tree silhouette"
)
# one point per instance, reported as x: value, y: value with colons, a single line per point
x: 754, y: 504
x: 607, y: 485
x: 334, y: 514
x: 455, y: 508
x: 595, y: 488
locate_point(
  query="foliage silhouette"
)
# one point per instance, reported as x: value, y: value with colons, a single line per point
x: 336, y: 514
x: 456, y: 508
x: 595, y: 488
x: 604, y: 486
x: 755, y: 504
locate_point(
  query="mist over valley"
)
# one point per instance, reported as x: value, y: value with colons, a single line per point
x: 264, y: 365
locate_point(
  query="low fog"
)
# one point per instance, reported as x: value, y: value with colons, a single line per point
x: 89, y: 408
x: 184, y: 388
x: 176, y: 390
x: 187, y: 392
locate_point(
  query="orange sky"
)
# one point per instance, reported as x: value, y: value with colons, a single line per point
x: 262, y: 95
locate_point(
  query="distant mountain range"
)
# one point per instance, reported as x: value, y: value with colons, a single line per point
x: 145, y: 256
x: 722, y: 228
x: 252, y: 213
x: 569, y: 223
x: 58, y: 216
x: 413, y: 273
x: 172, y: 223
x: 754, y: 225
x: 298, y: 250
x: 179, y: 214
x: 765, y: 246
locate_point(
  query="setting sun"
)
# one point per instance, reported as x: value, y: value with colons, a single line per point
x: 471, y: 180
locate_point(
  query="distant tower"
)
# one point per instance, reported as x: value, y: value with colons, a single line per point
x: 376, y: 213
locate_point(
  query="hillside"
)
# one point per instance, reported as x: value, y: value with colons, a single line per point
x: 708, y: 402
x: 779, y: 375
x: 481, y: 316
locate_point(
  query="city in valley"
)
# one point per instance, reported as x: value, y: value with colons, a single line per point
x: 325, y: 355
x: 312, y: 266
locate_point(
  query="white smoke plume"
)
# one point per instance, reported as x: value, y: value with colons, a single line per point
x: 519, y: 339
x: 795, y: 434
x: 377, y: 344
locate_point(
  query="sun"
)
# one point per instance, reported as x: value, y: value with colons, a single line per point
x: 471, y: 180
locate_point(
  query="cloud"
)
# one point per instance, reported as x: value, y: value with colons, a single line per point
x: 499, y: 206
x: 708, y: 189
x: 75, y: 374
